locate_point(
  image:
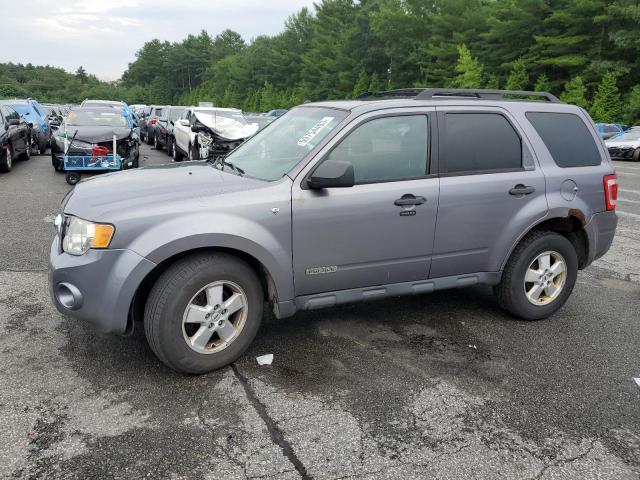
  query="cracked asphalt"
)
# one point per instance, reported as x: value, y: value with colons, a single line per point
x: 443, y: 386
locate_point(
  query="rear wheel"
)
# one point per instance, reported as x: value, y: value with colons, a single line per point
x: 203, y: 312
x: 169, y: 146
x: 6, y: 158
x: 27, y: 151
x: 539, y: 276
x: 156, y: 143
x: 150, y: 138
x: 175, y: 154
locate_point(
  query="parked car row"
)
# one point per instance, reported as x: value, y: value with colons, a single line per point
x: 198, y: 133
x: 625, y: 146
x: 15, y: 137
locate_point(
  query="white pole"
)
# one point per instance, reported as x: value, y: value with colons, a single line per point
x: 114, y: 149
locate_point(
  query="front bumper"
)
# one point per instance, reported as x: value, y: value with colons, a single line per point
x: 626, y: 153
x: 97, y: 287
x: 600, y: 232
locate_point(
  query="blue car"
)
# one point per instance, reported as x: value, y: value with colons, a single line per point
x: 608, y: 130
x: 34, y: 113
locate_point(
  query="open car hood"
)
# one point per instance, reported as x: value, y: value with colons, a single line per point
x: 225, y: 127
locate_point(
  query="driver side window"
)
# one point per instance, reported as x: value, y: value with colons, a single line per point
x: 387, y: 149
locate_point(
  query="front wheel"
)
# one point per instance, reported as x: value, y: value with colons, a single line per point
x: 156, y: 143
x: 175, y: 154
x: 6, y: 158
x: 539, y: 276
x: 203, y: 312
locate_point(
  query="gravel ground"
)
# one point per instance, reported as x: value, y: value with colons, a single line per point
x: 441, y: 386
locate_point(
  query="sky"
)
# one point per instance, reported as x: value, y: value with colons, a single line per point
x: 104, y: 35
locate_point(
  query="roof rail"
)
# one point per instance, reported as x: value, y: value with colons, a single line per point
x: 402, y: 92
x: 482, y: 94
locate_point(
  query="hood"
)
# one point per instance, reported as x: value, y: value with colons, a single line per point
x: 95, y: 134
x: 225, y: 127
x: 623, y: 143
x: 102, y: 197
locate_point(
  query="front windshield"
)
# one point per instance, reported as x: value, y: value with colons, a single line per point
x: 629, y: 135
x: 274, y: 151
x: 236, y: 115
x: 91, y: 118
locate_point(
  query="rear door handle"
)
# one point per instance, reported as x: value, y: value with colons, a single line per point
x: 408, y: 199
x: 520, y: 190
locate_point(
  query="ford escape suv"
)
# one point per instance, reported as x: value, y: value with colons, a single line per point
x: 400, y: 193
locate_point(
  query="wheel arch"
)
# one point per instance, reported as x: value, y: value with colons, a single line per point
x: 138, y: 303
x: 570, y: 226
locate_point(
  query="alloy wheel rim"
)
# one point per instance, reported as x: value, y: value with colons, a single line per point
x: 545, y: 278
x: 215, y: 317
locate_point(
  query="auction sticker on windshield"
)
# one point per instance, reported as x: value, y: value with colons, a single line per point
x: 313, y: 131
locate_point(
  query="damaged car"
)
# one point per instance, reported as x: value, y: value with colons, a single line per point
x: 203, y: 133
x: 625, y: 146
x: 93, y: 131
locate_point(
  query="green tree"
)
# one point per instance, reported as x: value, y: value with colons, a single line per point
x: 468, y: 70
x: 575, y: 93
x: 376, y: 84
x: 607, y: 104
x: 361, y: 85
x: 518, y: 78
x: 632, y: 107
x: 493, y: 82
x: 542, y: 84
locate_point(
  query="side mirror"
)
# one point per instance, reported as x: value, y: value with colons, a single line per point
x: 332, y: 174
x: 184, y: 123
x: 14, y: 121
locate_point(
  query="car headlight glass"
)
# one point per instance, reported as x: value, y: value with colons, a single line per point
x: 81, y: 235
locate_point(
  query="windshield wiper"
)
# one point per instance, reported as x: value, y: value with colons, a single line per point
x: 221, y: 160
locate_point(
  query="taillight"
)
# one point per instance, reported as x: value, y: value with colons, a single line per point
x: 611, y: 191
x: 152, y: 121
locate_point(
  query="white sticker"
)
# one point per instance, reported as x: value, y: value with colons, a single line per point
x: 307, y: 137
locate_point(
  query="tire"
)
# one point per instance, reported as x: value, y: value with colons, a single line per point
x: 42, y: 147
x: 27, y: 153
x: 175, y: 154
x: 72, y: 178
x: 511, y: 291
x: 156, y: 143
x: 149, y: 139
x: 636, y: 155
x: 171, y: 338
x: 194, y: 154
x: 169, y: 146
x: 58, y: 165
x: 6, y: 159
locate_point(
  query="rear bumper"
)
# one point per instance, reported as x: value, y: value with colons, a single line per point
x: 600, y: 231
x: 97, y: 287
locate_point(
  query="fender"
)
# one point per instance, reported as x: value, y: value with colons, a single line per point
x: 193, y: 231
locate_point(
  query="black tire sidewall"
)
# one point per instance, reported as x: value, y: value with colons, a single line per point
x: 170, y: 340
x: 549, y: 242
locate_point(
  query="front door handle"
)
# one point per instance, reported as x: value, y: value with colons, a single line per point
x: 408, y: 199
x: 520, y: 190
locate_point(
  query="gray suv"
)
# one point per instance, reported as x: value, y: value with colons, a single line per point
x: 403, y: 193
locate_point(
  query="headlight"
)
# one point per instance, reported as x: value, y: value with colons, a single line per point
x: 81, y: 235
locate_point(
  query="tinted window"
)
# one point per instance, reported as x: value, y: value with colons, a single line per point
x: 10, y: 113
x: 478, y: 142
x: 390, y: 148
x: 567, y: 138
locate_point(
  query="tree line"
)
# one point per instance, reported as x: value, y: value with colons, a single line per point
x: 585, y: 51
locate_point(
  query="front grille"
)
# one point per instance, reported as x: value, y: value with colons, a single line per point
x: 623, y: 153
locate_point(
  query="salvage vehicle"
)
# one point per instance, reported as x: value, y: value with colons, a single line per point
x: 404, y: 193
x: 163, y: 136
x: 151, y: 120
x: 625, y: 146
x: 142, y: 116
x: 34, y: 114
x: 93, y: 132
x: 208, y: 132
x: 15, y: 138
x: 609, y: 130
x: 114, y: 104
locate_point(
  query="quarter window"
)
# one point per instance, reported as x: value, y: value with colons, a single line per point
x: 386, y: 149
x: 567, y: 138
x: 479, y: 142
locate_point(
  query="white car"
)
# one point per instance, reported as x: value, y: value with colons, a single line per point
x: 208, y: 132
x: 625, y: 146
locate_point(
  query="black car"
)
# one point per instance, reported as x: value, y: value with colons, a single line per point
x: 15, y: 138
x: 142, y: 117
x: 89, y: 131
x: 151, y: 121
x: 163, y: 136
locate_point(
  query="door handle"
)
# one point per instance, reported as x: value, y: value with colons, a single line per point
x: 520, y: 190
x: 408, y: 199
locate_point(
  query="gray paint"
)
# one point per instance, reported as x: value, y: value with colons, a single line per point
x: 462, y: 235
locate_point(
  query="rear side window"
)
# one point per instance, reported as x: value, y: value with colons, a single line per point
x: 479, y: 142
x: 567, y: 138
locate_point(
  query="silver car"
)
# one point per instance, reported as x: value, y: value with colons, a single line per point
x: 342, y: 201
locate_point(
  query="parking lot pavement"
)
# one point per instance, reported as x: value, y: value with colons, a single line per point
x: 441, y: 386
